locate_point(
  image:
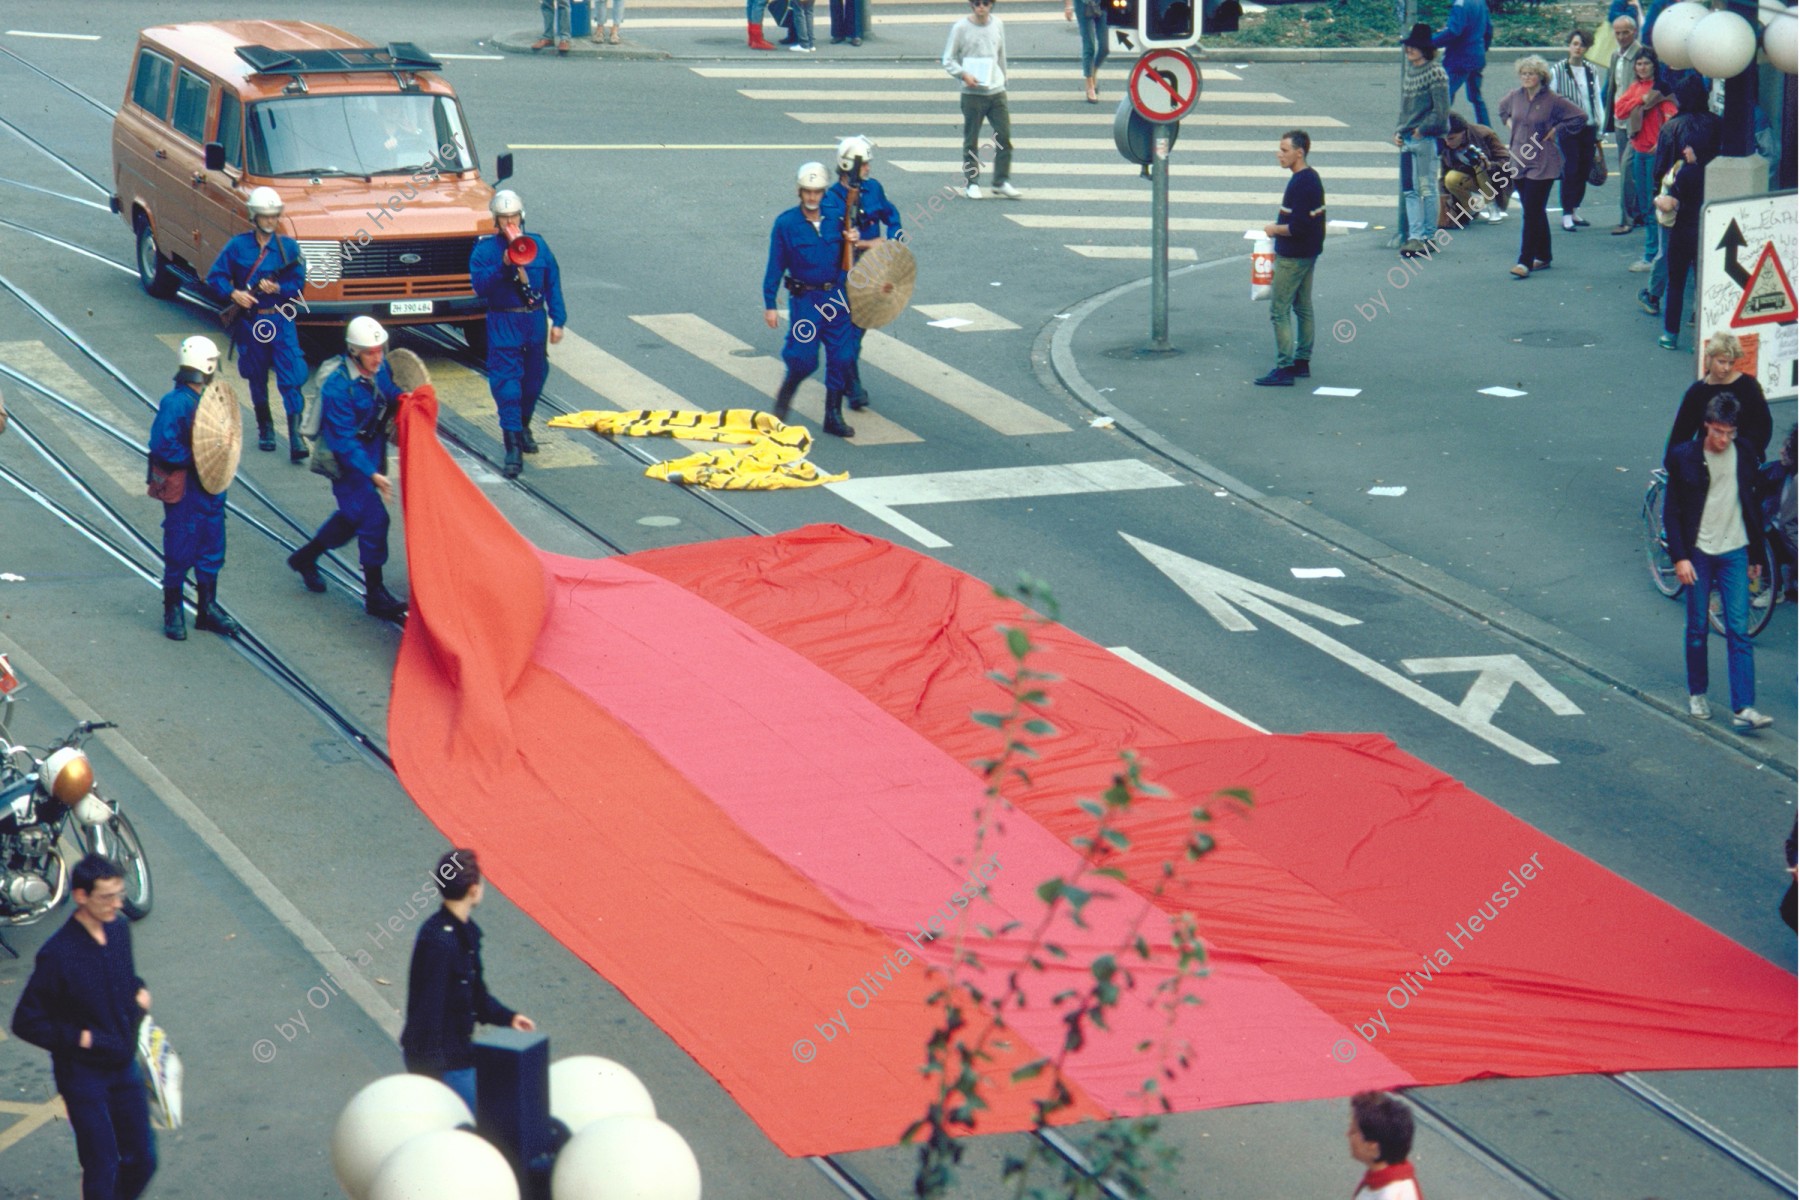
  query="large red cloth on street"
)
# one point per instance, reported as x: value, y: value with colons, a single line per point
x: 732, y: 777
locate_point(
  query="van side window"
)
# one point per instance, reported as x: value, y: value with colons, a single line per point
x: 231, y: 129
x: 191, y: 92
x: 150, y: 90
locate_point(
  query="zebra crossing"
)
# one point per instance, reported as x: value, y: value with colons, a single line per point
x: 1076, y: 182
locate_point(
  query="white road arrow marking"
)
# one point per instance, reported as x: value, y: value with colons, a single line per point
x: 1222, y: 594
x: 1498, y: 673
x: 878, y: 495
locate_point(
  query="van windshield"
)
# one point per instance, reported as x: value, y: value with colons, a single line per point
x: 365, y: 135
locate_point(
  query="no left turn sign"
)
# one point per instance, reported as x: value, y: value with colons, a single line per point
x: 1164, y: 85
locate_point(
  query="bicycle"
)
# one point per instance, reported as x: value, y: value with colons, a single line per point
x: 1765, y: 590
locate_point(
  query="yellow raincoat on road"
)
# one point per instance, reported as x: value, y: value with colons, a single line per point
x: 768, y: 454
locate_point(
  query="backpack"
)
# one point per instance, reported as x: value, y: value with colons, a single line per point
x: 322, y: 461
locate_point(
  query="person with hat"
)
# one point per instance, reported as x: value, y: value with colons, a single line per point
x: 263, y: 274
x: 806, y: 252
x: 356, y: 402
x: 976, y: 55
x: 1424, y: 118
x: 517, y: 275
x: 874, y: 214
x: 193, y: 518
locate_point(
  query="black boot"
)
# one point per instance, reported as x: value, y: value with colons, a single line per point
x: 210, y: 616
x: 265, y: 427
x: 784, y: 395
x: 527, y: 443
x: 514, y: 448
x: 306, y: 561
x: 858, y: 395
x: 378, y: 601
x: 174, y: 619
x: 297, y: 451
x: 834, y: 416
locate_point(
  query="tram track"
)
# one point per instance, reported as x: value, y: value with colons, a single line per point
x: 141, y: 556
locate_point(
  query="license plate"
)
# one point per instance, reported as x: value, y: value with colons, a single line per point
x: 409, y: 308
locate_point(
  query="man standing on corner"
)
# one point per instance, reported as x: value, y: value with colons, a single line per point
x: 808, y: 250
x: 83, y: 1003
x: 517, y: 275
x: 976, y: 54
x: 193, y: 524
x: 1299, y: 235
x: 446, y: 994
x: 1713, y: 521
x: 264, y: 274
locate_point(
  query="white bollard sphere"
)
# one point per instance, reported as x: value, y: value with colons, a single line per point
x: 585, y: 1088
x: 451, y: 1164
x: 1722, y: 45
x: 1781, y: 42
x: 378, y: 1119
x: 1671, y: 30
x: 626, y: 1158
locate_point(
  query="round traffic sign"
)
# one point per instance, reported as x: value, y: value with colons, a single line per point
x: 1164, y: 85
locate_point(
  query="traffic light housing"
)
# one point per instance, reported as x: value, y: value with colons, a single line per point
x: 1220, y: 16
x: 1160, y: 23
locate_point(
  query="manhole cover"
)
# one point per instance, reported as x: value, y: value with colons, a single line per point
x: 1566, y: 339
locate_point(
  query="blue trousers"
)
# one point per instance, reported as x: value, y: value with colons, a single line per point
x: 1730, y: 573
x: 193, y: 535
x: 281, y: 350
x: 1473, y: 80
x: 816, y: 317
x: 516, y: 376
x: 462, y: 1082
x: 109, y: 1113
x: 360, y: 515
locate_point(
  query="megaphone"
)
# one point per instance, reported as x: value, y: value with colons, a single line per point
x: 521, y: 251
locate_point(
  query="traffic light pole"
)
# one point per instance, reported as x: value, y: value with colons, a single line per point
x: 1159, y: 242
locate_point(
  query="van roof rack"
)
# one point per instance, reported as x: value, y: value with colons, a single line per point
x: 393, y: 58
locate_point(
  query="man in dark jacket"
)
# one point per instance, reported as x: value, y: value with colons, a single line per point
x: 1713, y: 522
x: 83, y: 1003
x: 1464, y: 39
x: 445, y: 992
x: 1689, y: 141
x: 1299, y: 233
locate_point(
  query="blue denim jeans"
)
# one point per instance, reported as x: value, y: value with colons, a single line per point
x: 1473, y: 80
x: 1419, y: 162
x: 1093, y: 42
x: 1290, y: 304
x: 556, y: 18
x: 1643, y: 174
x: 1730, y: 573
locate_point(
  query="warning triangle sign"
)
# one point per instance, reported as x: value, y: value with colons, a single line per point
x: 1768, y: 298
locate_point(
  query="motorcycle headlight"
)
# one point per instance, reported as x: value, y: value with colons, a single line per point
x: 92, y: 810
x: 67, y: 775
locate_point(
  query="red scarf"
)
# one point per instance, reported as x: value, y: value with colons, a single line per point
x: 1380, y: 1177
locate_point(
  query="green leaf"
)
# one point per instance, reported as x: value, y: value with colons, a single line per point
x: 1049, y: 890
x: 1091, y: 808
x: 1111, y: 873
x: 1030, y: 1070
x: 1116, y: 838
x: 1039, y: 728
x: 1241, y: 795
x: 1018, y: 642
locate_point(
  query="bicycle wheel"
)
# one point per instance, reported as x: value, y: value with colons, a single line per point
x: 1656, y: 546
x: 118, y: 840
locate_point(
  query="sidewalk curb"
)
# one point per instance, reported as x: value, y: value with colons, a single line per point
x: 520, y: 43
x: 1053, y: 350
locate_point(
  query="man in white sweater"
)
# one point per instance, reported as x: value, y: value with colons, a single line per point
x: 976, y: 54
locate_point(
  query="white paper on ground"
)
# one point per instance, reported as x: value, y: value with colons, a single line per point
x: 1349, y: 224
x: 1503, y: 392
x: 1387, y: 491
x: 1325, y: 391
x: 1101, y: 422
x: 1317, y: 572
x: 950, y: 323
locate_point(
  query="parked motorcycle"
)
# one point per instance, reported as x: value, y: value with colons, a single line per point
x: 50, y: 816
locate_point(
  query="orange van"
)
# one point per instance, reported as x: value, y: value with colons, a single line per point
x: 367, y: 146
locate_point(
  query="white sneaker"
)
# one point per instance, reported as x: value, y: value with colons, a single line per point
x: 1494, y: 216
x: 797, y: 48
x: 1699, y: 709
x: 1763, y: 598
x: 1009, y: 191
x: 1749, y: 718
x: 1640, y: 267
x: 973, y: 191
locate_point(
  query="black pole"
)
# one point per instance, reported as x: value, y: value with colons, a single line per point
x: 1789, y: 100
x: 1739, y: 132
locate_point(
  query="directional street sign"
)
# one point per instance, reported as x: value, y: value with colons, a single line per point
x: 1164, y: 85
x: 1749, y: 250
x: 1229, y: 597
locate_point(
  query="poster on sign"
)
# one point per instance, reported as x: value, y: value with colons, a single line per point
x: 1748, y: 256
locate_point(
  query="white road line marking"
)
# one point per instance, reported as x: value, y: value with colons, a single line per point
x: 612, y: 377
x: 950, y: 95
x: 121, y: 464
x: 875, y: 120
x: 980, y: 320
x: 1096, y: 145
x: 1181, y: 685
x: 1209, y: 74
x: 1128, y: 224
x: 1176, y: 253
x: 879, y: 495
x: 960, y: 391
x: 1497, y: 674
x: 713, y: 345
x: 66, y: 37
x: 952, y: 168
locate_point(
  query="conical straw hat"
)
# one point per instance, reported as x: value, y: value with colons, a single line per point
x: 218, y: 436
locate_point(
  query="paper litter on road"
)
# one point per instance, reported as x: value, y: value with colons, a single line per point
x: 996, y: 283
x: 1101, y: 422
x: 9, y: 577
x: 1325, y: 391
x: 950, y: 323
x: 1387, y: 491
x: 1251, y: 235
x: 1221, y: 493
x: 1064, y: 316
x: 1503, y: 392
x: 1348, y: 224
x: 1317, y: 572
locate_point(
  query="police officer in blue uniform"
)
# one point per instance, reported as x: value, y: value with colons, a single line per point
x: 193, y: 526
x: 263, y: 274
x: 875, y: 212
x: 808, y: 250
x: 355, y: 404
x: 519, y: 290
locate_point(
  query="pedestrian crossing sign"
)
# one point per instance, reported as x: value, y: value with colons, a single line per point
x: 1769, y: 297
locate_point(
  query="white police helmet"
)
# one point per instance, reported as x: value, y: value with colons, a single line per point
x: 264, y: 202
x: 199, y: 354
x: 364, y: 333
x: 812, y: 175
x: 852, y: 149
x: 506, y: 203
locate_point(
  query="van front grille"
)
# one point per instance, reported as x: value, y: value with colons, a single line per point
x: 385, y: 258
